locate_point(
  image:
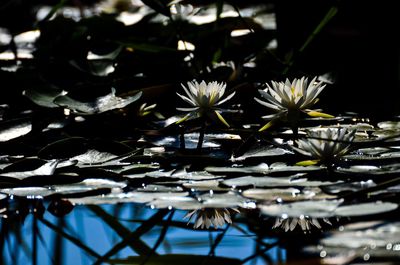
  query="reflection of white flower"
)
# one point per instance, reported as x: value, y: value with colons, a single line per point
x: 204, y: 99
x: 326, y: 144
x: 304, y: 222
x: 207, y: 217
x: 287, y: 98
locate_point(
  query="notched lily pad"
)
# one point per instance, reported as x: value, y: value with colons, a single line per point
x: 99, y: 105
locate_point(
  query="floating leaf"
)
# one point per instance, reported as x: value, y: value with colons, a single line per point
x: 160, y: 188
x: 118, y: 196
x: 44, y: 97
x: 46, y: 169
x: 14, y: 128
x: 272, y: 194
x: 191, y: 140
x: 263, y: 169
x: 93, y: 157
x: 262, y: 151
x: 285, y: 195
x: 360, y: 209
x: 203, y: 185
x: 87, y: 185
x: 99, y: 105
x: 371, y: 170
x: 362, y: 235
x: 374, y: 153
x: 30, y: 192
x: 266, y: 181
x: 348, y: 186
x: 389, y: 125
x: 176, y: 202
x: 313, y: 209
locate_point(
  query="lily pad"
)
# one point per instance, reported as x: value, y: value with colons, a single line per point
x: 365, y: 209
x: 262, y: 169
x: 262, y: 151
x: 44, y: 97
x: 28, y: 192
x: 99, y: 105
x: 296, y: 180
x: 311, y: 208
x: 14, y: 128
x: 87, y: 185
x: 285, y: 195
x: 46, y: 169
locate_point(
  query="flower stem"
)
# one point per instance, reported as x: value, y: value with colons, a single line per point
x: 201, y: 136
x: 295, y: 130
x: 182, y: 138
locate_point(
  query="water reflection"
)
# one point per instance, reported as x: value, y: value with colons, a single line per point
x: 93, y: 234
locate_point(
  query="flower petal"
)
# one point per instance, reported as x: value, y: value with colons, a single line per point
x: 221, y: 118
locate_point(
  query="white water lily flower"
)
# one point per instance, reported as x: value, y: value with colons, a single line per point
x: 204, y: 99
x: 304, y: 222
x: 326, y: 144
x: 287, y: 98
x: 207, y: 217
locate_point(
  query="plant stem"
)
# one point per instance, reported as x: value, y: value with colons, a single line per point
x: 201, y: 136
x: 182, y: 137
x: 328, y: 16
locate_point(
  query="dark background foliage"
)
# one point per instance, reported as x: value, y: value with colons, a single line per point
x: 358, y: 46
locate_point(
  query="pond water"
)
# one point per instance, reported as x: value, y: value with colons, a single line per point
x: 162, y: 132
x: 180, y: 243
x: 97, y: 201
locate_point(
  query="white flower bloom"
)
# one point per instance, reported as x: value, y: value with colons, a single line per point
x: 292, y: 97
x: 305, y: 223
x: 207, y: 217
x: 204, y: 99
x: 326, y: 144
